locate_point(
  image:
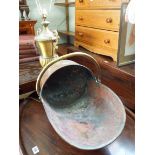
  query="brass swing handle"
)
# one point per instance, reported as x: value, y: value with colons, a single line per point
x: 98, y: 78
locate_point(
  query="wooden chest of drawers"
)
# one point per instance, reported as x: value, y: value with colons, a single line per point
x: 97, y: 26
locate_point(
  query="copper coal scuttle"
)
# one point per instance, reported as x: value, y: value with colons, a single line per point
x: 85, y: 113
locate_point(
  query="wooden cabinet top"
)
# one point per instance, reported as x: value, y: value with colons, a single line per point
x: 27, y: 27
x: 27, y: 21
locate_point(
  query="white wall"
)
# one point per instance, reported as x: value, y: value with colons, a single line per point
x: 72, y: 21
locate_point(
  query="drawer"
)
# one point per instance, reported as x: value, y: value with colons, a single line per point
x: 102, y: 19
x: 99, y: 41
x: 98, y: 4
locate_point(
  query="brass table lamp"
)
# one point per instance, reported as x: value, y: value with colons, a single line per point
x: 46, y: 41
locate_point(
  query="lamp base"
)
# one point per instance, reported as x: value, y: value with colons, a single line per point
x: 45, y: 61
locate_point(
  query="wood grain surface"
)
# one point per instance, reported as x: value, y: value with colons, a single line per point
x: 27, y: 27
x: 98, y: 41
x: 102, y: 19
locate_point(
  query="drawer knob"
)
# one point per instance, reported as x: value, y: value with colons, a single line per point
x: 81, y: 18
x: 107, y: 41
x: 109, y: 20
x: 80, y: 34
x: 81, y: 1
